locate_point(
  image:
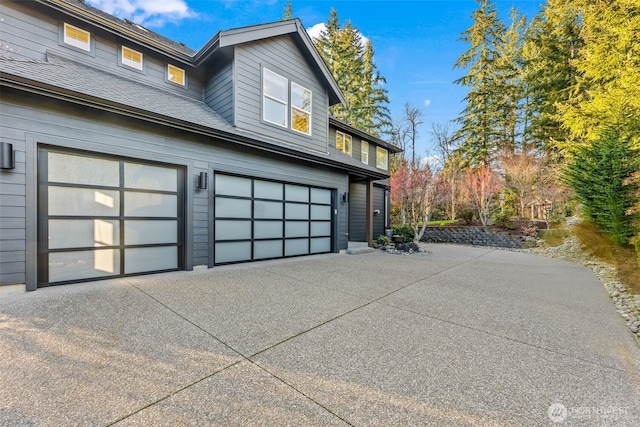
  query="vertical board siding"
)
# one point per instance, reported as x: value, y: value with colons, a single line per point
x: 249, y: 61
x: 357, y: 212
x: 51, y: 122
x: 378, y: 204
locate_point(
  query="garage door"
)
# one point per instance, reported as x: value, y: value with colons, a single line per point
x: 257, y: 219
x: 103, y: 217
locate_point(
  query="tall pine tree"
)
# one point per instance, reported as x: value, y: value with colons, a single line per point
x: 479, y: 121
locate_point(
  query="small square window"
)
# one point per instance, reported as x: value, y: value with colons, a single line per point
x: 382, y: 158
x: 76, y: 37
x: 131, y: 58
x: 175, y: 74
x: 343, y: 142
x: 364, y: 152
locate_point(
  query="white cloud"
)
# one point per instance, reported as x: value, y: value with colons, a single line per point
x: 151, y: 13
x: 427, y: 102
x: 314, y: 33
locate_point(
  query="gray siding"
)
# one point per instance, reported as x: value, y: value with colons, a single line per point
x: 378, y: 204
x: 249, y: 61
x: 356, y: 147
x: 357, y: 212
x: 218, y: 92
x: 25, y: 122
x: 20, y: 25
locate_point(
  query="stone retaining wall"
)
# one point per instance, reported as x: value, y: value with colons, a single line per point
x: 478, y: 236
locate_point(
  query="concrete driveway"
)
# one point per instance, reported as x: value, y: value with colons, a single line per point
x: 458, y: 336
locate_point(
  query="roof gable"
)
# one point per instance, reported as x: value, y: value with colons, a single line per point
x: 293, y: 27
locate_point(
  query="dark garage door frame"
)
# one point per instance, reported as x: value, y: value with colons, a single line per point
x: 257, y: 218
x: 114, y: 223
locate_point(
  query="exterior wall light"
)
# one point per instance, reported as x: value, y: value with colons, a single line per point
x: 7, y: 158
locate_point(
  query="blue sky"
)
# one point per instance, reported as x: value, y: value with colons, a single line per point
x: 415, y: 41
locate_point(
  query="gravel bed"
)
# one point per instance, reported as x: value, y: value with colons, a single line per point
x: 625, y: 301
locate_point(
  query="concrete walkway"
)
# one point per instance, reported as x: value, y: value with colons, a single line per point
x: 458, y: 336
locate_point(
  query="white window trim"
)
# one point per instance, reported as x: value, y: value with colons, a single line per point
x: 310, y: 112
x: 75, y: 42
x: 184, y: 75
x: 130, y: 63
x: 380, y: 150
x: 265, y: 95
x: 344, y: 136
x: 364, y: 152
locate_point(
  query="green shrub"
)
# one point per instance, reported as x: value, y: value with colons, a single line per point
x: 405, y: 231
x: 382, y: 240
x: 467, y: 216
x: 503, y: 220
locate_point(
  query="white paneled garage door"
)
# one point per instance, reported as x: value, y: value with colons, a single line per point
x: 102, y: 217
x: 257, y: 219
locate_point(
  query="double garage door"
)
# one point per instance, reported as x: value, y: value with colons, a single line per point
x: 101, y: 217
x: 259, y: 219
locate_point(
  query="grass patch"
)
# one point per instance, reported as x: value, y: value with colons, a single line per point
x: 622, y: 257
x: 553, y: 241
x: 442, y: 222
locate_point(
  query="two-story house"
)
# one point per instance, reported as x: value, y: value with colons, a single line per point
x: 123, y: 152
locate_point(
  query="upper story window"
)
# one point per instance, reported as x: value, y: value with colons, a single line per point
x: 131, y: 58
x: 283, y: 103
x: 382, y: 158
x: 300, y: 109
x: 276, y: 94
x: 175, y: 74
x: 76, y: 37
x: 364, y: 152
x: 343, y: 142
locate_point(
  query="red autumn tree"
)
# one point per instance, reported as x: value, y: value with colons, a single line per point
x: 483, y: 184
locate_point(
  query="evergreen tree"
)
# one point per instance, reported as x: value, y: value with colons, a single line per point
x: 479, y: 121
x: 607, y: 86
x: 553, y: 41
x: 351, y: 64
x: 602, y: 176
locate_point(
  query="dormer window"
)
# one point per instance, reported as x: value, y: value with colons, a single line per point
x: 343, y: 142
x: 300, y: 109
x: 131, y: 58
x: 364, y: 152
x: 382, y: 158
x: 76, y: 37
x: 276, y: 94
x: 285, y: 103
x: 175, y: 75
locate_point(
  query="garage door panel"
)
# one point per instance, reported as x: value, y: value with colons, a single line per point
x: 267, y: 230
x: 148, y: 177
x: 145, y: 232
x: 232, y: 208
x: 296, y: 229
x: 72, y: 201
x: 150, y: 204
x: 320, y: 195
x: 72, y: 169
x: 320, y: 228
x: 267, y: 210
x: 296, y: 211
x: 233, y: 186
x: 267, y: 249
x: 77, y: 265
x: 233, y: 230
x: 319, y: 245
x: 268, y: 190
x: 320, y: 212
x: 232, y: 252
x: 296, y: 193
x: 138, y: 260
x: 75, y: 233
x: 294, y: 247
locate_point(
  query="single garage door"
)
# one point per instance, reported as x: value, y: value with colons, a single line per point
x: 257, y: 219
x: 101, y: 217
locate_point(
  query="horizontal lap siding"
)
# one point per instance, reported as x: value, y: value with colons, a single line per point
x: 357, y: 213
x: 282, y: 56
x: 20, y: 25
x: 378, y: 204
x: 45, y: 121
x: 219, y: 91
